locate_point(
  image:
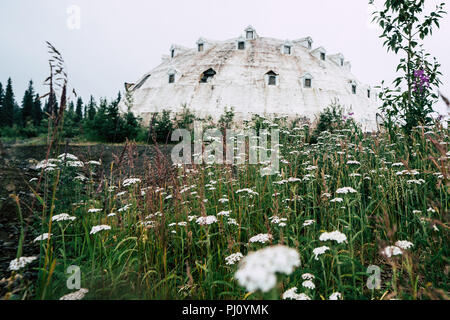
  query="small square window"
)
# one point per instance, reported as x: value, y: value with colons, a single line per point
x: 171, y: 78
x: 354, y: 89
x: 287, y: 49
x: 272, y: 80
x: 200, y: 47
x: 249, y: 35
x: 241, y: 45
x: 308, y: 83
x: 322, y: 56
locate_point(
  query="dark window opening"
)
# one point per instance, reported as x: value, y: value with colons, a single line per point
x: 208, y: 74
x: 200, y: 47
x: 309, y: 45
x: 171, y: 78
x: 354, y: 88
x: 308, y: 83
x: 342, y: 62
x: 172, y: 54
x: 272, y: 78
x: 368, y: 93
x: 322, y: 56
x: 287, y: 49
x: 249, y: 34
x: 241, y: 45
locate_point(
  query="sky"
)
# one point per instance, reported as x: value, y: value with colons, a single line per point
x: 117, y: 41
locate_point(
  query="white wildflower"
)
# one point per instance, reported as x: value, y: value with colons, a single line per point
x: 20, y: 263
x: 130, y: 181
x: 345, y: 190
x: 308, y: 223
x: 337, y: 236
x: 392, y: 251
x: 63, y: 217
x: 336, y: 296
x: 262, y: 238
x: 43, y: 237
x: 293, y: 295
x: 404, y: 244
x: 99, y: 228
x: 257, y: 271
x: 206, y: 220
x: 319, y: 251
x: 308, y: 276
x: 77, y: 295
x: 309, y: 284
x: 233, y: 258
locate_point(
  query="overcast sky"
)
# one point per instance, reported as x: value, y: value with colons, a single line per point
x: 120, y: 40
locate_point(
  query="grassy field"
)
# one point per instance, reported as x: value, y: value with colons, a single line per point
x: 179, y: 232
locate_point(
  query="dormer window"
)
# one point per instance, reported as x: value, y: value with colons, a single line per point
x: 201, y: 46
x: 207, y: 75
x: 287, y: 49
x: 171, y: 78
x: 354, y: 88
x: 250, y: 35
x: 322, y: 56
x: 308, y: 83
x: 309, y: 44
x: 272, y: 78
x: 241, y: 45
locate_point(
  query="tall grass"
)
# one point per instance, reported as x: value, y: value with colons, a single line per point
x: 155, y: 249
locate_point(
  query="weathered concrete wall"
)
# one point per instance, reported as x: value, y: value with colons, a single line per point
x: 241, y: 82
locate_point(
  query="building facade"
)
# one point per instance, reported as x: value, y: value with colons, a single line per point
x: 253, y: 75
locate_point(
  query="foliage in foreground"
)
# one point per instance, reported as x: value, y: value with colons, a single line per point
x: 157, y: 242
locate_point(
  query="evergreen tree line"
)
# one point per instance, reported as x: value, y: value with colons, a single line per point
x: 89, y: 121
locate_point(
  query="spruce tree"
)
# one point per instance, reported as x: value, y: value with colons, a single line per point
x: 92, y: 109
x: 27, y: 104
x: 79, y: 110
x: 37, y: 111
x: 8, y: 108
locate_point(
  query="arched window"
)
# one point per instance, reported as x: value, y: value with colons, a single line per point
x: 272, y: 78
x: 307, y: 80
x: 208, y: 74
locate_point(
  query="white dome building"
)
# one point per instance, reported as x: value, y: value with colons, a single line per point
x: 253, y: 75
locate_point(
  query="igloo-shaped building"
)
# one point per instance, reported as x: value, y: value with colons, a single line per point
x: 253, y: 75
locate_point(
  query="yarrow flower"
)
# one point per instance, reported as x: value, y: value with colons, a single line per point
x: 337, y: 236
x: 206, y: 220
x: 42, y: 237
x: 403, y: 244
x: 390, y: 251
x: 309, y: 284
x: 99, y: 228
x: 336, y: 296
x: 308, y: 223
x: 63, y: 217
x: 77, y: 295
x: 308, y: 276
x: 345, y: 190
x: 257, y: 271
x: 293, y: 295
x: 319, y: 251
x: 20, y: 263
x: 262, y: 238
x: 233, y: 258
x: 130, y: 181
